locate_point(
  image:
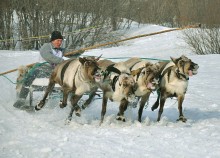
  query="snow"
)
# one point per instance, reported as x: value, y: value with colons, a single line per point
x: 44, y: 134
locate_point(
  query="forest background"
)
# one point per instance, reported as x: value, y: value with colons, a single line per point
x: 28, y: 23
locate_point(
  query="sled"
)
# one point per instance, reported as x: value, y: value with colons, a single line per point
x: 40, y: 85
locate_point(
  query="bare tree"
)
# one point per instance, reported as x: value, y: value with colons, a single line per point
x: 203, y: 41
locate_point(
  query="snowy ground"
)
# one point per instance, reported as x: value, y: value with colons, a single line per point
x: 43, y: 134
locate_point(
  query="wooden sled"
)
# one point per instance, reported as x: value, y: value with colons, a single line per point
x: 40, y: 85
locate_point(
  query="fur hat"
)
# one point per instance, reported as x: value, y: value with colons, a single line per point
x: 55, y: 35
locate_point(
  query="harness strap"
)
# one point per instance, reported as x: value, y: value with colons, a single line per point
x: 64, y: 70
x: 135, y: 64
x: 107, y: 71
x: 164, y: 71
x: 115, y: 79
x: 110, y: 69
x: 75, y: 76
x: 179, y: 75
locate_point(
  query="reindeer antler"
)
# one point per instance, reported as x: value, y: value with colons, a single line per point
x: 98, y: 57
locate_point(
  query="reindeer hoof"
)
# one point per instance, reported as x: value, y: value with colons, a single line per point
x: 153, y: 108
x: 120, y: 118
x: 182, y: 118
x: 84, y: 106
x: 62, y: 105
x: 78, y: 111
x: 158, y: 119
x: 68, y: 120
x: 19, y: 103
x: 39, y: 105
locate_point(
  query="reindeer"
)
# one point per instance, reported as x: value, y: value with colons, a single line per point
x: 74, y: 75
x: 174, y: 82
x: 118, y: 85
x: 146, y: 76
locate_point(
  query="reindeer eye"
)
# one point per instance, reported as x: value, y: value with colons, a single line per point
x: 181, y: 62
x: 147, y: 72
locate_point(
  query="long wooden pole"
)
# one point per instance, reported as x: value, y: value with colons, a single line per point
x: 13, y: 70
x: 139, y: 36
x: 110, y: 43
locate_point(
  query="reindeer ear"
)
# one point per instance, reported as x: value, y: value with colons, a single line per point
x: 98, y: 57
x: 82, y: 60
x: 184, y: 57
x: 174, y: 60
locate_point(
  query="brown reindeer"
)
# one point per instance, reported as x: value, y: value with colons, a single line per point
x: 118, y: 85
x: 174, y: 83
x: 146, y: 77
x: 74, y: 75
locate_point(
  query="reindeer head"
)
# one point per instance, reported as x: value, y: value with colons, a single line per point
x: 91, y: 68
x: 185, y: 66
x: 147, y: 76
x: 126, y: 87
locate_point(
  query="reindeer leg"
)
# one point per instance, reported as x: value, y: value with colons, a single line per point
x: 156, y: 104
x: 123, y: 106
x: 180, y: 103
x: 144, y: 99
x: 162, y: 102
x: 104, y: 104
x: 48, y: 90
x: 91, y: 96
x: 65, y: 96
x: 74, y: 101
